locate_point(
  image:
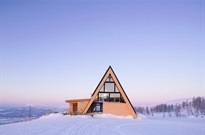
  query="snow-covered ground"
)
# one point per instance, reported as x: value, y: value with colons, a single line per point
x: 58, y: 124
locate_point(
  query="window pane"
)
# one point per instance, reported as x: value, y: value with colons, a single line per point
x: 114, y: 97
x: 109, y: 79
x: 116, y: 89
x: 98, y: 107
x: 102, y: 89
x: 109, y: 87
x: 103, y: 97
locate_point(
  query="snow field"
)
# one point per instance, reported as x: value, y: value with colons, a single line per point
x: 105, y: 124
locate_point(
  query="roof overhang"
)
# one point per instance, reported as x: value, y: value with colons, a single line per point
x: 77, y: 100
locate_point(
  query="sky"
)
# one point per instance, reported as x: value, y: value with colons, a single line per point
x: 52, y: 51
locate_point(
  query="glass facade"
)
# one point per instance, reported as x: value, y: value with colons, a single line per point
x: 109, y: 92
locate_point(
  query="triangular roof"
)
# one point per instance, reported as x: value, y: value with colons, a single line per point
x: 111, y: 73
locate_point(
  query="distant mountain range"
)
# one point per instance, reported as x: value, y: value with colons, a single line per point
x: 11, y: 114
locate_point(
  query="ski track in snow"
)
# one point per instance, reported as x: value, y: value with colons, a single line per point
x: 78, y: 125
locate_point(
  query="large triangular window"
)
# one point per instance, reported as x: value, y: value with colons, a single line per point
x: 109, y: 92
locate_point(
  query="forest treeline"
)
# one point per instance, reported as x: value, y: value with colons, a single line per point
x: 194, y: 107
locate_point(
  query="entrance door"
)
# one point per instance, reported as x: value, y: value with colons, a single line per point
x: 75, y: 108
x: 96, y: 107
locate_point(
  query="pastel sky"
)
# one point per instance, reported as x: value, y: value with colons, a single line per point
x: 57, y: 50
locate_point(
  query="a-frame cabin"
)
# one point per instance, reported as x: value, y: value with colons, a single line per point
x: 108, y: 97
